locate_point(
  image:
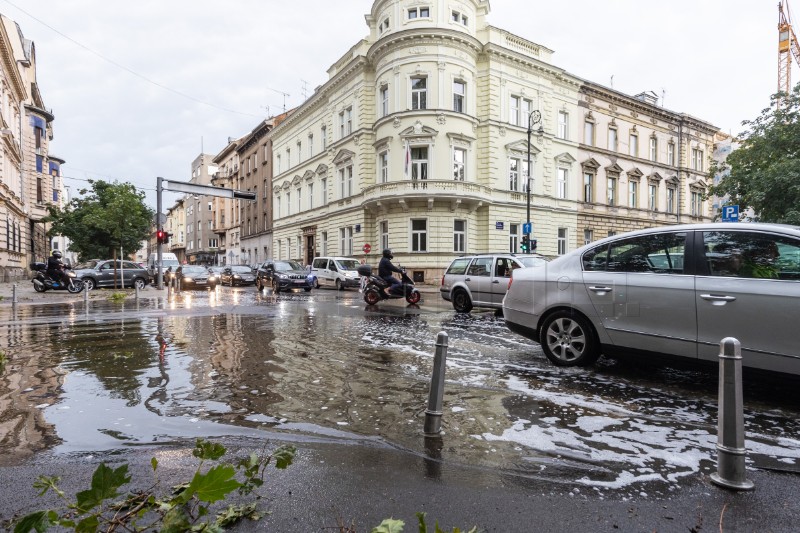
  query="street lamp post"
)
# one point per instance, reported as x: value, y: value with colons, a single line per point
x: 534, y: 117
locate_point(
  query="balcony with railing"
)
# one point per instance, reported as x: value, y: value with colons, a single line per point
x: 463, y: 193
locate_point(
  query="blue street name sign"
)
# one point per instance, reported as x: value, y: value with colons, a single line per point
x: 498, y: 225
x: 526, y: 228
x: 730, y: 213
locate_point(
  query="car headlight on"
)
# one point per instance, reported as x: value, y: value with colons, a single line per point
x: 237, y: 276
x: 283, y: 276
x: 188, y: 279
x: 212, y: 278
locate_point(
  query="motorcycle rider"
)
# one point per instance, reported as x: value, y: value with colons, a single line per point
x: 385, y: 270
x: 55, y: 267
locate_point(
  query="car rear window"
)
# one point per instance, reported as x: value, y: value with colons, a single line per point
x: 458, y: 266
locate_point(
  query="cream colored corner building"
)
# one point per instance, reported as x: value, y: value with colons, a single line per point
x: 418, y: 142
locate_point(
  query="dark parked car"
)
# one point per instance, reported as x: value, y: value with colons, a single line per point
x: 237, y: 275
x: 109, y: 273
x: 195, y: 277
x: 284, y: 276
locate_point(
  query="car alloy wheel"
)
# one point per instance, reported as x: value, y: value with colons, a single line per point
x: 89, y: 284
x: 568, y: 339
x: 461, y: 301
x: 139, y: 283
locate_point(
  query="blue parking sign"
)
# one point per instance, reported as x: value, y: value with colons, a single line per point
x: 730, y: 213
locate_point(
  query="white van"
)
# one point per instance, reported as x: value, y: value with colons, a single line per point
x: 167, y: 260
x: 339, y: 272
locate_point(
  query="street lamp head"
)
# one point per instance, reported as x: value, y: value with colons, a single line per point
x: 535, y: 117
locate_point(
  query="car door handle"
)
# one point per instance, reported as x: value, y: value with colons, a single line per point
x: 496, y: 281
x: 467, y: 279
x: 600, y: 290
x: 717, y: 298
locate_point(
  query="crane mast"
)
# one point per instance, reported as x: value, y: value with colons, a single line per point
x: 787, y: 47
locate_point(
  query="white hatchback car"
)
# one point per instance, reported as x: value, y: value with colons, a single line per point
x: 669, y: 291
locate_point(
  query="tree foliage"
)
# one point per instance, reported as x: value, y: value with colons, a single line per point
x: 103, y: 219
x: 764, y: 172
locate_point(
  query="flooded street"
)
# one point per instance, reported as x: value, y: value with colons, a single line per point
x: 323, y: 365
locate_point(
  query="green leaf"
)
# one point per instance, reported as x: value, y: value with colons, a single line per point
x: 105, y: 483
x: 389, y: 525
x: 154, y: 463
x: 284, y: 456
x: 46, y: 483
x: 88, y: 525
x: 38, y: 521
x: 214, y: 485
x: 206, y: 450
x: 423, y: 528
x: 175, y: 521
x: 235, y: 513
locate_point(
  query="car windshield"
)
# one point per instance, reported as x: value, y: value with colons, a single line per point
x: 241, y: 269
x: 280, y: 266
x: 348, y: 264
x: 194, y: 270
x: 216, y: 270
x: 532, y: 261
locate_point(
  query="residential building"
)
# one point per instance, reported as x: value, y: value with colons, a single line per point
x: 228, y: 221
x: 202, y: 242
x: 641, y: 165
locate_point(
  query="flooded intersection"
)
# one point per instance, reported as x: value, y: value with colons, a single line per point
x: 323, y: 365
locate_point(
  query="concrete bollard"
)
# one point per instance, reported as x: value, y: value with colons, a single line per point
x: 433, y: 414
x: 730, y: 428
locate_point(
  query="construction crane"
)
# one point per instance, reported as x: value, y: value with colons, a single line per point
x: 787, y: 47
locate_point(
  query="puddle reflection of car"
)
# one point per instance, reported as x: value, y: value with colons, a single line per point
x: 195, y: 277
x: 237, y: 275
x: 669, y: 292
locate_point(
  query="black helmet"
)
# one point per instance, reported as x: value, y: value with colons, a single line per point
x: 387, y: 253
x: 56, y: 254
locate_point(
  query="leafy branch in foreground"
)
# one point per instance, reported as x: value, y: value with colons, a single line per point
x: 390, y: 525
x: 187, y: 507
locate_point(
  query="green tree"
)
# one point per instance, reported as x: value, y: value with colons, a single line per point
x: 103, y: 219
x: 764, y: 172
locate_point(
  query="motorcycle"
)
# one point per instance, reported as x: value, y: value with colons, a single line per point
x: 42, y: 282
x: 375, y: 286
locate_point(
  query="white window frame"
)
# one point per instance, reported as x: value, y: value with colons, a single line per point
x: 459, y: 167
x: 418, y: 237
x: 419, y: 96
x: 633, y: 193
x: 563, y: 125
x: 459, y: 96
x: 613, y: 139
x: 561, y: 241
x: 671, y: 154
x: 588, y: 186
x: 588, y: 236
x: 671, y: 194
x: 653, y: 149
x: 384, y: 234
x: 421, y: 12
x: 459, y: 236
x: 420, y: 167
x: 588, y: 133
x: 611, y: 191
x: 633, y: 145
x: 383, y: 98
x: 562, y: 180
x: 383, y: 167
x: 513, y: 238
x: 323, y: 190
x: 652, y: 196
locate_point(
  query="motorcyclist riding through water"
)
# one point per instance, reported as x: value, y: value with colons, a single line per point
x: 385, y: 271
x: 55, y: 267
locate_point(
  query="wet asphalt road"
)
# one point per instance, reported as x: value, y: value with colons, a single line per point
x: 522, y: 440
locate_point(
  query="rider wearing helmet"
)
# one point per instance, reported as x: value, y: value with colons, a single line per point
x: 385, y: 270
x: 55, y: 267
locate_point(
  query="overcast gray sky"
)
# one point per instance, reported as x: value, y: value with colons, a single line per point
x: 714, y: 59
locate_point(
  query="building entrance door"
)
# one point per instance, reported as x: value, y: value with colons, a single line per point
x: 310, y: 249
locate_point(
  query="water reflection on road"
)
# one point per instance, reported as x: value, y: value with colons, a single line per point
x: 322, y: 364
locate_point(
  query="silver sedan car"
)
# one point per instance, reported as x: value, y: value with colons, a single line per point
x: 671, y: 291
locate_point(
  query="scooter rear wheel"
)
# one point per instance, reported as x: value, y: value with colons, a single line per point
x: 413, y: 297
x: 372, y: 297
x: 39, y: 287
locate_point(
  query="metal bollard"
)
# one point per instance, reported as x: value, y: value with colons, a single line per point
x: 730, y: 429
x: 136, y: 290
x: 433, y: 414
x: 85, y: 295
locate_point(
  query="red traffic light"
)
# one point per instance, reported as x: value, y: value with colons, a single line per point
x: 161, y: 237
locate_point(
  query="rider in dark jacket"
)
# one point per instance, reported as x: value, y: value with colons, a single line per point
x: 55, y: 267
x: 385, y: 270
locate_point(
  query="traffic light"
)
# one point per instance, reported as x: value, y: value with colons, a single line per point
x: 166, y: 237
x: 524, y: 245
x: 533, y: 245
x: 161, y: 236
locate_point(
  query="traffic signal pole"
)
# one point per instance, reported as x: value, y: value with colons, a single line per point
x: 159, y: 229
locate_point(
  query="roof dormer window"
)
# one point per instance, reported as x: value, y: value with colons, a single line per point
x: 419, y: 13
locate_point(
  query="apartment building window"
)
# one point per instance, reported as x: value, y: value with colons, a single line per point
x: 653, y: 149
x: 513, y: 110
x: 459, y: 164
x: 419, y: 12
x: 588, y: 236
x: 459, y: 96
x: 383, y: 26
x: 633, y: 193
x: 563, y: 125
x: 513, y: 238
x: 346, y: 240
x: 383, y: 167
x: 588, y: 133
x: 562, y: 241
x: 459, y: 236
x: 323, y: 190
x: 517, y: 174
x: 384, y: 237
x: 561, y: 182
x: 419, y: 163
x: 588, y: 187
x: 324, y: 243
x: 671, y: 199
x: 419, y: 92
x: 419, y: 235
x: 288, y: 203
x: 39, y: 191
x: 345, y: 122
x: 278, y: 163
x: 323, y: 138
x: 346, y: 181
x: 634, y: 145
x: 288, y: 158
x: 264, y: 188
x: 299, y: 247
x: 671, y: 154
x: 210, y: 224
x: 310, y: 145
x: 311, y: 196
x: 697, y: 203
x: 299, y: 199
x: 697, y: 159
x: 612, y: 191
x: 652, y: 196
x: 213, y: 243
x: 459, y: 18
x: 383, y: 98
x: 612, y: 139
